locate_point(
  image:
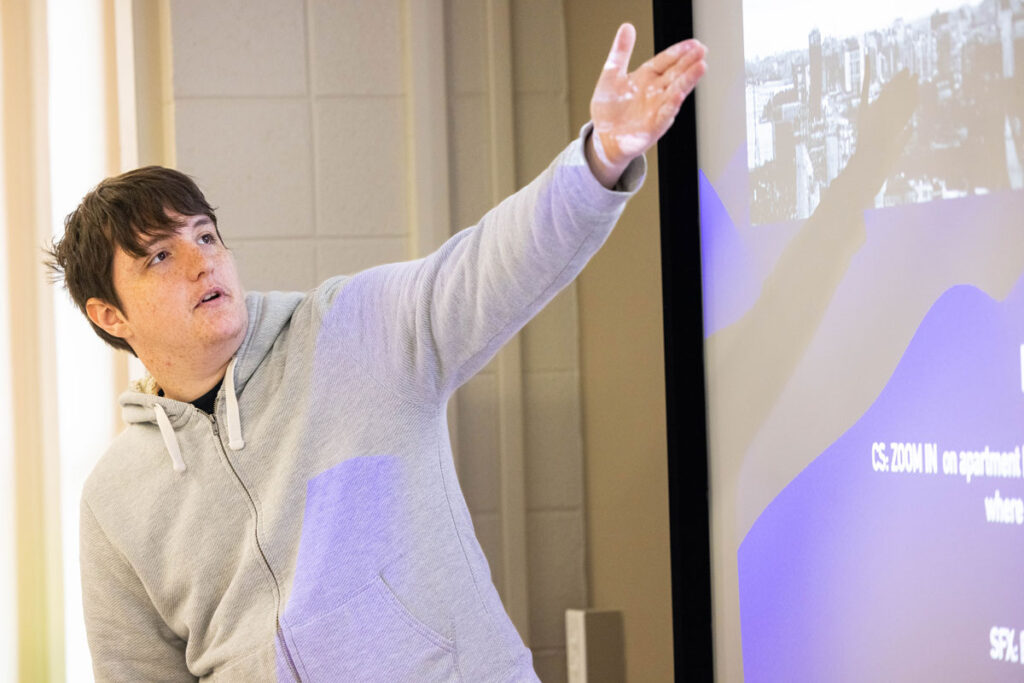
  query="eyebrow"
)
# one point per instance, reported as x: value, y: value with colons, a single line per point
x: 147, y: 245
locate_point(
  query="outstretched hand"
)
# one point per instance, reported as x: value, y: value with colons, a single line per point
x: 631, y: 111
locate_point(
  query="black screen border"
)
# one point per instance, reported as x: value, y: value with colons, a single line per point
x: 685, y: 407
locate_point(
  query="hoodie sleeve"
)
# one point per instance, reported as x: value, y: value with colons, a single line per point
x: 427, y: 326
x: 127, y: 637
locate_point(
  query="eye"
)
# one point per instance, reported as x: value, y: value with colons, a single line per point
x: 208, y: 238
x: 158, y: 257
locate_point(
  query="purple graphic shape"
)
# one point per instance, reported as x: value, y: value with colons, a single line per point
x: 733, y: 182
x: 729, y: 286
x: 852, y: 574
x: 350, y: 530
x: 342, y: 620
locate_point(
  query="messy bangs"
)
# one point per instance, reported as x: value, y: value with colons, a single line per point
x: 129, y: 212
x: 136, y: 218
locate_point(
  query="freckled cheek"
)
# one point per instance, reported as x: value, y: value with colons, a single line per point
x: 230, y: 268
x: 142, y: 312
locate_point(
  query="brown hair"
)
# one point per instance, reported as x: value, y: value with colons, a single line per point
x: 125, y: 212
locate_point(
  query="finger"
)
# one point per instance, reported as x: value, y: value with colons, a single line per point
x: 665, y: 118
x: 672, y: 101
x: 672, y: 55
x: 684, y: 82
x: 622, y: 49
x: 685, y: 63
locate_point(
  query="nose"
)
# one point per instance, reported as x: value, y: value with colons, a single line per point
x: 198, y: 262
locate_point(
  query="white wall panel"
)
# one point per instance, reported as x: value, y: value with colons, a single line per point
x: 238, y: 47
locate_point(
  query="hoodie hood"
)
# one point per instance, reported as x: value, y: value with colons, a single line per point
x: 269, y: 314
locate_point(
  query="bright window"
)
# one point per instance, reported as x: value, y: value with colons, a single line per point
x: 79, y: 159
x: 8, y: 609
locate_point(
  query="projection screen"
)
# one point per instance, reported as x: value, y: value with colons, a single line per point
x: 862, y: 244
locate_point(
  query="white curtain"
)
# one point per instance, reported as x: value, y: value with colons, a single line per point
x: 80, y: 156
x: 8, y: 613
x: 58, y: 381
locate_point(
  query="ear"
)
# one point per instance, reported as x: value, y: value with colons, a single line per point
x: 107, y: 317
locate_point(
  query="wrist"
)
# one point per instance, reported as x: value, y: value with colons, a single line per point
x: 605, y: 171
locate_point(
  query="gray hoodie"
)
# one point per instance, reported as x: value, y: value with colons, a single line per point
x: 313, y: 528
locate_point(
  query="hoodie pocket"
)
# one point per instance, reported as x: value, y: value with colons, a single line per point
x: 372, y: 637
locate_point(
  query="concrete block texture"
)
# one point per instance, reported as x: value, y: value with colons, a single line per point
x: 357, y: 47
x: 470, y: 155
x: 466, y: 46
x: 479, y: 464
x: 557, y: 576
x: 543, y: 127
x: 361, y: 166
x: 551, y: 340
x: 253, y: 159
x: 550, y: 665
x: 538, y: 46
x: 291, y: 115
x: 238, y: 47
x: 349, y: 255
x: 284, y: 265
x: 554, y: 441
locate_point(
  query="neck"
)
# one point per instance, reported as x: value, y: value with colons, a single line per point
x: 190, y: 389
x: 188, y: 380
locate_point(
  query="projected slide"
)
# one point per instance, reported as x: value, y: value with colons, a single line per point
x: 862, y: 230
x: 803, y: 104
x: 904, y: 537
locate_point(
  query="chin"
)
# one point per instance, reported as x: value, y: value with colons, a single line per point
x: 230, y: 329
x: 242, y: 324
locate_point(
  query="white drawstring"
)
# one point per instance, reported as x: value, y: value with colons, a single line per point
x: 235, y: 441
x: 170, y: 440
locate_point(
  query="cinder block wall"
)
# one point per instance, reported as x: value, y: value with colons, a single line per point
x: 550, y: 344
x: 622, y: 364
x: 292, y: 117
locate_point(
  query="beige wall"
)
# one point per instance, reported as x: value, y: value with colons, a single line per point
x: 302, y: 121
x: 482, y: 153
x: 312, y: 125
x: 295, y: 131
x: 622, y: 362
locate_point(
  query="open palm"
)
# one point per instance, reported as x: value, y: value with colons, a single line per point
x: 631, y: 111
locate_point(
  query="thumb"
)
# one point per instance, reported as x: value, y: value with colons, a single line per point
x: 622, y: 50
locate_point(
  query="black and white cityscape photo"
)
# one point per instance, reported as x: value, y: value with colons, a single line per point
x: 804, y: 100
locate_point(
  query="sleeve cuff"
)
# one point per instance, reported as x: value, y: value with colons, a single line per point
x: 631, y: 180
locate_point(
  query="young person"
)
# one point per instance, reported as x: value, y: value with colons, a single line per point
x: 283, y: 502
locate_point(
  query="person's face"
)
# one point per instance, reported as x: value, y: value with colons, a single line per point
x: 182, y: 297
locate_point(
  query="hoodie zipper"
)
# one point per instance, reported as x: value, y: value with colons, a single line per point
x: 259, y: 546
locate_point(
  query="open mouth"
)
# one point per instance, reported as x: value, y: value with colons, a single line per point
x: 210, y: 296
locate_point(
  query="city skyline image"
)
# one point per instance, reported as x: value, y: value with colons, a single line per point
x: 804, y: 104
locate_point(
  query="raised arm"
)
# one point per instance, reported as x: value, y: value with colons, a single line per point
x: 426, y: 326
